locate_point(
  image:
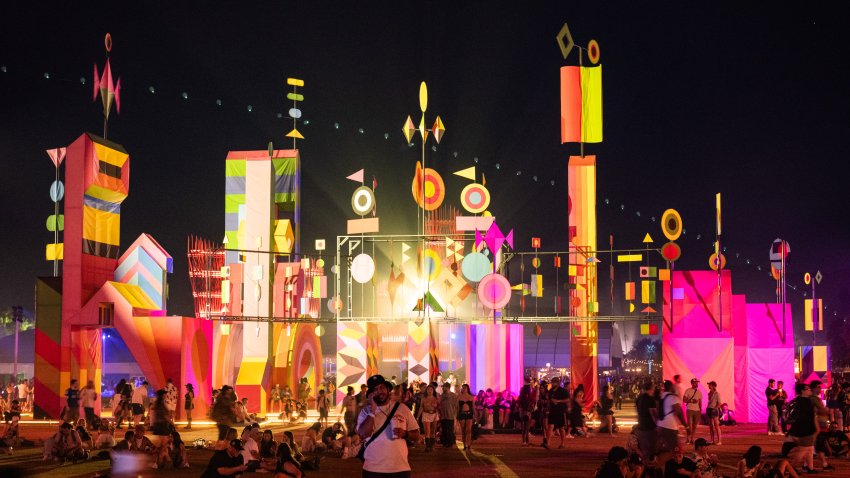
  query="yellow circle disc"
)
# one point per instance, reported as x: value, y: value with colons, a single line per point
x: 593, y: 51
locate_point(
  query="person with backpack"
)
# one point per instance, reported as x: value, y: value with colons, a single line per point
x: 804, y: 427
x: 712, y: 412
x: 669, y: 419
x: 525, y: 407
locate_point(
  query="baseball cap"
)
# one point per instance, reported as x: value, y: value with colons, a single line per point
x: 699, y: 442
x: 694, y: 380
x: 237, y: 444
x: 374, y: 381
x: 712, y: 383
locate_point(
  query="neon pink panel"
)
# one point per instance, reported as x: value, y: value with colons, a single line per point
x: 494, y: 357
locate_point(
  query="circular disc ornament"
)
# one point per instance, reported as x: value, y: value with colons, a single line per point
x: 433, y: 264
x: 107, y: 42
x: 775, y: 273
x: 362, y: 268
x: 807, y: 278
x: 494, y: 291
x: 671, y: 252
x: 57, y: 191
x: 538, y: 331
x: 435, y: 189
x: 320, y: 262
x: 593, y: 51
x: 712, y: 261
x: 423, y: 96
x: 475, y: 198
x: 320, y: 330
x: 334, y: 304
x: 671, y: 224
x: 363, y: 200
x: 475, y: 266
x: 535, y: 262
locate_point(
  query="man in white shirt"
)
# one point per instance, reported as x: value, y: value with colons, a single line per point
x: 692, y: 398
x: 669, y: 419
x: 170, y: 399
x: 23, y: 392
x: 387, y: 453
x: 137, y: 401
x: 88, y: 399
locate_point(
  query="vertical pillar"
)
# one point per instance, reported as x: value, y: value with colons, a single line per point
x: 583, y: 301
x: 419, y: 349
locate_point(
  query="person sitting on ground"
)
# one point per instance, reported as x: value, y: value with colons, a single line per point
x: 174, y: 450
x: 679, y: 465
x: 13, y: 411
x: 289, y: 439
x: 250, y: 449
x: 287, y: 465
x: 616, y: 465
x: 126, y: 443
x: 333, y: 436
x: 706, y: 462
x: 141, y: 443
x: 85, y: 438
x: 837, y: 441
x: 226, y: 463
x: 11, y: 438
x: 268, y: 451
x: 351, y: 447
x: 727, y: 416
x: 310, y: 441
x: 66, y: 445
x: 105, y: 436
x: 752, y: 466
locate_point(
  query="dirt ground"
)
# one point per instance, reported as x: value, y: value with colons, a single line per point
x: 494, y: 455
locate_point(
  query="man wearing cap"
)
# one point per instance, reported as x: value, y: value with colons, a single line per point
x: 227, y: 462
x: 692, y: 398
x: 448, y: 411
x: 706, y: 463
x: 772, y: 414
x: 385, y: 447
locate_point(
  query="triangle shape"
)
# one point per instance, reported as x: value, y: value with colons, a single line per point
x: 468, y: 173
x: 356, y: 177
x: 647, y: 239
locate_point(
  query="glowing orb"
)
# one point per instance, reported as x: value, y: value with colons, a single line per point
x: 363, y: 200
x: 475, y: 198
x: 362, y: 268
x: 433, y: 264
x: 475, y: 266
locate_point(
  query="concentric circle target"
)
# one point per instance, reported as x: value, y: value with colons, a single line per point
x: 362, y: 268
x: 475, y: 198
x: 671, y: 224
x: 435, y: 189
x: 671, y: 252
x: 363, y: 200
x: 593, y: 51
x: 712, y: 261
x: 494, y: 291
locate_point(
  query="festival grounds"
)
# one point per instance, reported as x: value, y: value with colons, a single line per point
x: 493, y: 455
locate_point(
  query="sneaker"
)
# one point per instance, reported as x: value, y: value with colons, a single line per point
x: 186, y: 465
x: 828, y: 467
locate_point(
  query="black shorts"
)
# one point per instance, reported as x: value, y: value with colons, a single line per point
x: 558, y: 420
x: 711, y: 413
x: 464, y: 416
x: 138, y: 409
x: 323, y: 413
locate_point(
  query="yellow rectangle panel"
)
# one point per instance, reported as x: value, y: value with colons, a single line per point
x: 819, y: 358
x: 591, y: 104
x: 807, y: 309
x: 101, y: 226
x: 629, y: 257
x: 55, y: 252
x: 251, y: 372
x: 225, y: 291
x: 108, y: 155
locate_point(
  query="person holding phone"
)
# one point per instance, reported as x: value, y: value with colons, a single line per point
x: 385, y: 427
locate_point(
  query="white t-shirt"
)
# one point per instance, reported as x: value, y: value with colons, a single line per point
x: 669, y: 421
x: 139, y: 394
x: 388, y: 454
x: 693, y: 399
x: 247, y: 447
x: 88, y: 397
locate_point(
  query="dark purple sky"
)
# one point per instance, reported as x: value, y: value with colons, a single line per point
x: 751, y: 102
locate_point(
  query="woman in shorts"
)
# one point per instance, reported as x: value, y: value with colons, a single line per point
x: 465, y: 412
x: 429, y: 417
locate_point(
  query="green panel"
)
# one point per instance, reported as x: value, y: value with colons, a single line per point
x: 284, y: 166
x: 232, y: 240
x: 234, y: 167
x: 48, y: 307
x: 232, y: 202
x: 285, y: 201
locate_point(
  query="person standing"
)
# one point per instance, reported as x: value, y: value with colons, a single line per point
x: 803, y: 429
x: 427, y: 411
x: 525, y: 407
x: 781, y: 399
x: 543, y: 411
x: 171, y: 399
x: 712, y: 411
x: 606, y: 412
x: 386, y: 427
x: 276, y: 397
x: 772, y: 414
x: 323, y: 405
x: 349, y: 405
x: 465, y: 414
x: 670, y: 419
x: 448, y: 412
x: 647, y: 412
x: 137, y: 402
x: 692, y: 398
x: 72, y: 397
x: 189, y: 405
x: 559, y: 407
x: 822, y: 415
x: 677, y: 385
x: 88, y: 398
x: 23, y: 395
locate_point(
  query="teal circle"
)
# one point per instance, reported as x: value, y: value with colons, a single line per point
x: 475, y: 266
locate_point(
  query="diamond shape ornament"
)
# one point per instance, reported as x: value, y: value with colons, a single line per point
x: 408, y: 129
x: 818, y: 277
x: 422, y: 130
x: 418, y: 369
x: 438, y: 129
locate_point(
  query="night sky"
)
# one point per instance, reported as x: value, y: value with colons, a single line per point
x: 747, y: 101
